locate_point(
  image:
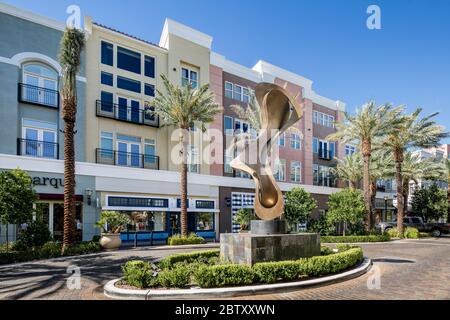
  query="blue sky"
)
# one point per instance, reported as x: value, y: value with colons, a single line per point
x: 327, y: 41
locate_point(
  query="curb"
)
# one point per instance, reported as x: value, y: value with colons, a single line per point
x: 111, y: 291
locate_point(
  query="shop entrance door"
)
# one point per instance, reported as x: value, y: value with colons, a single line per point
x: 175, y: 223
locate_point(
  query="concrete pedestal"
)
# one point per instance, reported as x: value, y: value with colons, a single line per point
x: 248, y: 248
x: 268, y: 227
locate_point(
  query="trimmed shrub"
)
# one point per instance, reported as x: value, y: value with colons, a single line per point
x: 178, y: 277
x: 350, y: 239
x: 51, y: 249
x: 270, y: 272
x: 139, y: 274
x: 35, y: 235
x: 224, y: 275
x: 344, y: 247
x: 393, y: 233
x: 83, y: 248
x: 197, y: 256
x: 411, y: 233
x: 190, y: 239
x: 324, y: 250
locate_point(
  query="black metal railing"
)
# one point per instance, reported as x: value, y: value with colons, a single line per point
x: 38, y: 95
x: 326, y: 154
x: 126, y: 159
x: 39, y: 149
x: 126, y: 113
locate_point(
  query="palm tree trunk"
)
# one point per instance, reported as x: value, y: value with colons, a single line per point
x: 183, y: 186
x: 373, y: 195
x: 366, y: 185
x: 69, y: 172
x: 398, y: 158
x: 405, y: 195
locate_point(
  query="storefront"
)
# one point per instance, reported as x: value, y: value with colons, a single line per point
x: 154, y: 218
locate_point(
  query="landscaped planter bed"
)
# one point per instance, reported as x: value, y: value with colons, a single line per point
x: 205, y: 270
x: 355, y: 239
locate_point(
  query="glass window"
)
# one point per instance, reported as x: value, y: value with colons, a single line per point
x: 331, y: 144
x: 228, y: 157
x: 315, y: 173
x: 228, y: 125
x: 204, y: 221
x: 149, y: 66
x: 246, y: 95
x: 41, y: 70
x: 193, y: 159
x: 128, y: 60
x: 280, y: 170
x: 146, y: 220
x: 349, y: 150
x: 107, y: 53
x: 106, y: 101
x: 229, y: 90
x: 315, y: 145
x: 189, y: 76
x: 315, y: 117
x: 295, y: 141
x: 295, y: 171
x: 128, y: 84
x: 106, y: 144
x: 237, y: 92
x: 149, y: 90
x: 282, y: 140
x: 107, y: 78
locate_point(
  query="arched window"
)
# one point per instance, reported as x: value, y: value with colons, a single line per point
x: 40, y: 84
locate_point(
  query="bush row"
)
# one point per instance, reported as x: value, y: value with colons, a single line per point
x: 190, y: 239
x: 188, y: 268
x: 48, y: 250
x: 408, y: 233
x: 351, y: 239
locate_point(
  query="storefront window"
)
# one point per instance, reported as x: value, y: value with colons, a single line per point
x: 146, y: 220
x: 205, y: 221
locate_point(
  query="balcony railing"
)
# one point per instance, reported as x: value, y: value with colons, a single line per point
x: 126, y: 159
x: 39, y: 149
x: 125, y: 113
x: 326, y: 154
x: 38, y: 95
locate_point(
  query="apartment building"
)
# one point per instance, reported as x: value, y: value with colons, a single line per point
x: 126, y: 159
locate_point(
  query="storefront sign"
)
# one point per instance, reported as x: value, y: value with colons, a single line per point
x: 46, y: 181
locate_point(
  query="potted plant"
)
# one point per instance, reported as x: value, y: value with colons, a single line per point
x: 111, y: 223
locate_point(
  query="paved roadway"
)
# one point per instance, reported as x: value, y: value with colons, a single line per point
x: 407, y: 269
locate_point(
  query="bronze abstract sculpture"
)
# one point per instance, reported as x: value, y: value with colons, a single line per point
x: 279, y: 111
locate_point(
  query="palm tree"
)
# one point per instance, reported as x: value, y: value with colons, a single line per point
x: 183, y: 107
x: 369, y: 123
x: 72, y: 44
x: 410, y: 132
x: 414, y: 168
x: 349, y: 169
x: 381, y: 167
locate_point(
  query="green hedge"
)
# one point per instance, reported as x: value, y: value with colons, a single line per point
x: 351, y: 239
x: 196, y: 256
x: 190, y: 239
x: 408, y: 233
x: 270, y: 272
x: 48, y: 250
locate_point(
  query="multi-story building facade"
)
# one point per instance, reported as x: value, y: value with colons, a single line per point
x: 126, y: 159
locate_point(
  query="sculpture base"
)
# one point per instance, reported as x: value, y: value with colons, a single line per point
x: 268, y: 226
x: 248, y: 248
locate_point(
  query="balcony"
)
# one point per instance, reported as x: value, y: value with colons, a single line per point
x: 126, y: 159
x: 38, y: 96
x: 125, y: 113
x: 326, y: 154
x: 39, y: 149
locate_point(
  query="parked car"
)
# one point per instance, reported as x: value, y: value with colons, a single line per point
x: 436, y: 229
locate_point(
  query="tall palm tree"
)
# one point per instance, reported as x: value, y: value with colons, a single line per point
x: 369, y: 123
x: 183, y: 107
x: 411, y: 132
x: 414, y: 168
x: 72, y: 45
x: 349, y: 169
x: 381, y: 167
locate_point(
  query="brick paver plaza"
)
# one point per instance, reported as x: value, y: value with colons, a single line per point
x: 408, y: 269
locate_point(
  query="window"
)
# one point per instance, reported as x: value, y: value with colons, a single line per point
x: 149, y: 66
x: 40, y: 84
x: 107, y: 78
x: 349, y: 149
x: 246, y: 95
x: 228, y: 125
x: 128, y: 60
x: 237, y: 92
x: 149, y: 151
x: 149, y: 90
x: 189, y: 76
x: 241, y: 126
x: 228, y: 90
x: 106, y: 101
x: 128, y: 109
x: 204, y: 221
x: 39, y: 139
x: 128, y: 84
x: 315, y: 145
x: 322, y: 176
x: 323, y: 119
x: 295, y: 141
x: 107, y: 53
x: 295, y: 171
x: 106, y: 144
x: 280, y: 170
x: 282, y: 140
x: 193, y: 160
x: 228, y: 157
